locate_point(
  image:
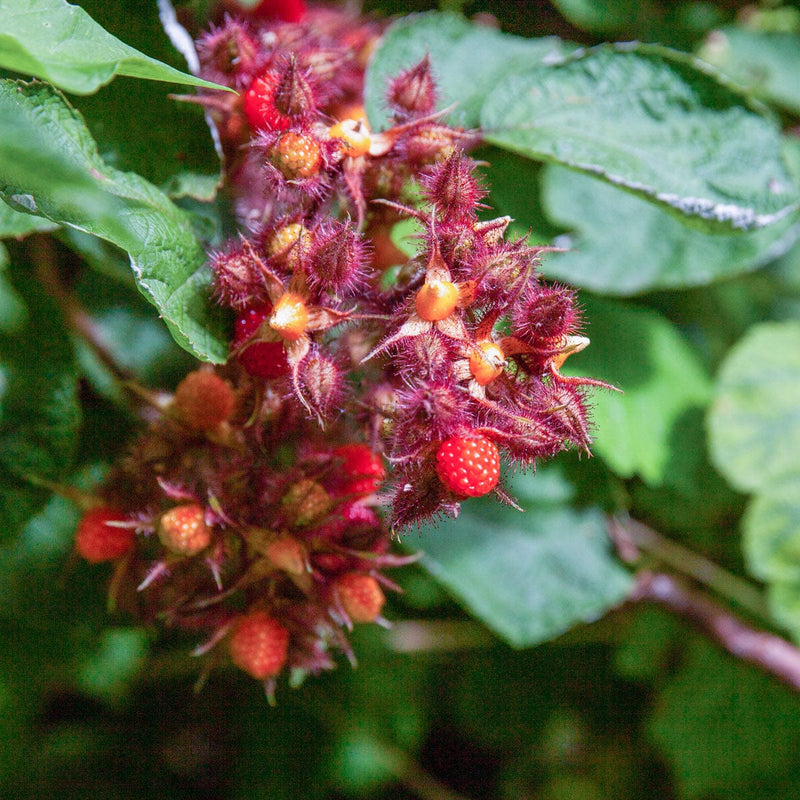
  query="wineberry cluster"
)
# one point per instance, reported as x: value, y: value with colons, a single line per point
x: 256, y: 485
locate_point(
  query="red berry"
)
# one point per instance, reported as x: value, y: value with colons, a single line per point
x: 468, y: 465
x: 259, y: 645
x: 360, y: 596
x: 260, y: 359
x: 284, y: 10
x: 259, y: 104
x: 96, y: 540
x: 183, y: 530
x: 204, y: 400
x: 360, y: 471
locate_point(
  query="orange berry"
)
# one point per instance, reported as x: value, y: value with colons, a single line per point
x: 437, y: 300
x: 306, y: 501
x: 96, y: 540
x: 259, y: 645
x: 204, y: 400
x: 355, y: 136
x: 296, y: 155
x: 487, y: 362
x: 289, y: 317
x: 360, y: 596
x: 183, y: 530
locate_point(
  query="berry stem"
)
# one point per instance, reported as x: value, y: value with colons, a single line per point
x: 631, y: 536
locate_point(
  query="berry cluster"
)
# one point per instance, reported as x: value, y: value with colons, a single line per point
x: 255, y: 487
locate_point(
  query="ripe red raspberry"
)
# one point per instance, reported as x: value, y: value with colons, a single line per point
x: 284, y: 10
x: 359, y: 471
x: 296, y: 155
x: 183, y: 530
x: 468, y: 465
x: 96, y: 540
x: 360, y: 596
x: 259, y: 645
x: 260, y: 359
x: 259, y: 104
x: 204, y: 400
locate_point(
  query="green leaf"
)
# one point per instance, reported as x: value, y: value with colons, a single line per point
x: 720, y: 723
x: 771, y: 528
x: 529, y: 577
x: 14, y: 224
x: 605, y: 16
x: 456, y: 47
x: 662, y: 378
x: 61, y: 43
x: 766, y: 64
x: 49, y: 165
x: 754, y: 422
x: 39, y: 413
x: 619, y: 244
x: 653, y: 122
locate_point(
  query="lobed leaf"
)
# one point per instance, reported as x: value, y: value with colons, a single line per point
x: 49, y: 166
x: 651, y: 121
x: 529, y: 577
x: 663, y: 380
x: 754, y: 421
x: 468, y: 61
x: 61, y: 43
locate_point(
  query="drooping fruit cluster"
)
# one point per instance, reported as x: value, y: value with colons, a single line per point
x: 254, y: 494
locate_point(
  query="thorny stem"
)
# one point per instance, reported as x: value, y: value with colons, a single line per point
x: 765, y: 650
x: 631, y: 536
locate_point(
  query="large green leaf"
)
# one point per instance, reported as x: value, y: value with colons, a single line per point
x: 619, y: 244
x: 61, y: 43
x: 654, y: 122
x: 766, y: 64
x: 49, y: 166
x: 468, y: 60
x: 531, y: 576
x: 663, y: 380
x: 39, y: 412
x: 754, y: 422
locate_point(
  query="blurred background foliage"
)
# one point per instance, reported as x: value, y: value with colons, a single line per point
x: 700, y: 328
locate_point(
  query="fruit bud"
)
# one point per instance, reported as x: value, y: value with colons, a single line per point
x: 451, y: 186
x: 306, y: 501
x: 229, y: 54
x: 287, y: 554
x: 203, y: 400
x: 293, y: 96
x: 337, y: 257
x: 238, y: 280
x: 545, y: 314
x: 413, y: 92
x: 322, y: 383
